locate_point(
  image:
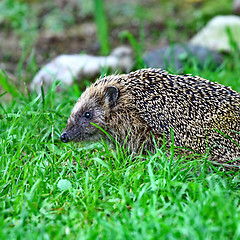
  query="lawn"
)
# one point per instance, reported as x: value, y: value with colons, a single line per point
x: 49, y: 189
x: 53, y: 190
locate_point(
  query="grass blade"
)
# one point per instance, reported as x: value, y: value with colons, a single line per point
x: 102, y: 26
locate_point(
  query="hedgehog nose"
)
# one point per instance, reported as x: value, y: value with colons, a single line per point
x: 64, y: 137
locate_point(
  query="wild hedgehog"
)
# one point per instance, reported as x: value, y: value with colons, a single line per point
x: 148, y: 104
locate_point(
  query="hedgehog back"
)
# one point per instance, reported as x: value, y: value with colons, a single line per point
x: 192, y: 106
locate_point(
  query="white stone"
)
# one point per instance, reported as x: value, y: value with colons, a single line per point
x: 215, y: 34
x: 66, y: 68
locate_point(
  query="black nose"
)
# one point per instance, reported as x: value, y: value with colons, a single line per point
x: 64, y: 137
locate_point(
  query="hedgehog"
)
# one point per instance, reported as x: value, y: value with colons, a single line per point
x: 146, y: 107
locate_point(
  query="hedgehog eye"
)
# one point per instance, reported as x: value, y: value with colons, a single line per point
x: 88, y: 115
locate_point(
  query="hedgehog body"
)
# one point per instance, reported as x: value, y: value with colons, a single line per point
x: 149, y: 104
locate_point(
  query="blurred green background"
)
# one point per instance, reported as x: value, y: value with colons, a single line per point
x: 32, y: 32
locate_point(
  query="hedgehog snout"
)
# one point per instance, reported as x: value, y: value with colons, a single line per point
x: 64, y: 137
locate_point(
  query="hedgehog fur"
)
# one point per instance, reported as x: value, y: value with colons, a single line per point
x: 149, y: 105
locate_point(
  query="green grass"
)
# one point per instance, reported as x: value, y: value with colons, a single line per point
x: 52, y: 190
x: 102, y: 26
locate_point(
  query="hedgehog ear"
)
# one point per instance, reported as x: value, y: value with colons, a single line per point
x: 112, y: 95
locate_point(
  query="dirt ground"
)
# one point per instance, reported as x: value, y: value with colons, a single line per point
x: 153, y: 23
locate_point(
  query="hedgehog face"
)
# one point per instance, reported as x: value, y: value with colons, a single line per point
x: 79, y: 127
x: 90, y: 108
